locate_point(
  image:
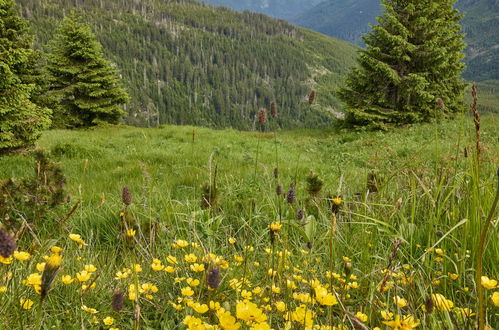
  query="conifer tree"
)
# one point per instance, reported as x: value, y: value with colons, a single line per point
x: 21, y: 120
x: 411, y: 68
x: 86, y: 85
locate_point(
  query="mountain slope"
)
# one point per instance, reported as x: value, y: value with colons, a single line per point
x: 187, y: 63
x: 277, y: 8
x: 343, y: 19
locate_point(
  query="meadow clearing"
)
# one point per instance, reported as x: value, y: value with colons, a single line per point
x: 187, y: 227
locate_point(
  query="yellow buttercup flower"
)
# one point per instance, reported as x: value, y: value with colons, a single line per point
x: 227, y: 321
x: 130, y: 233
x: 488, y: 283
x: 275, y: 226
x: 324, y: 297
x: 400, y: 302
x: 190, y: 258
x: 21, y: 255
x: 453, y: 276
x: 77, y: 238
x: 108, y: 320
x: 83, y: 276
x: 89, y: 310
x: 156, y: 265
x: 197, y: 267
x: 249, y: 311
x: 232, y: 240
x: 441, y: 303
x: 55, y: 249
x: 495, y: 298
x: 180, y: 244
x: 361, y: 316
x: 406, y: 323
x: 67, y: 279
x: 90, y: 268
x: 26, y: 303
x: 187, y: 291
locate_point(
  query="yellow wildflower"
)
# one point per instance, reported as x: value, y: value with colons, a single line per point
x: 67, y: 279
x: 323, y: 297
x: 21, y: 255
x: 108, y: 320
x: 361, y: 316
x: 488, y: 283
x: 495, y: 298
x: 156, y: 265
x: 77, y: 238
x: 89, y: 310
x: 399, y: 301
x: 407, y: 323
x: 197, y: 267
x: 249, y: 311
x: 26, y: 303
x: 275, y: 226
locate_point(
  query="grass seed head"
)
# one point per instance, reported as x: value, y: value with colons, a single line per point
x: 312, y: 96
x: 117, y: 301
x: 273, y: 109
x: 300, y: 214
x: 262, y: 116
x: 213, y: 277
x: 278, y: 190
x: 7, y: 243
x: 291, y: 196
x: 126, y: 196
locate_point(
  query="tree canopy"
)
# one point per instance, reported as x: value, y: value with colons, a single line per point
x: 86, y: 85
x: 411, y: 68
x: 21, y: 119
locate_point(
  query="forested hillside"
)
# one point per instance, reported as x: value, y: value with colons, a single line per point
x: 187, y: 63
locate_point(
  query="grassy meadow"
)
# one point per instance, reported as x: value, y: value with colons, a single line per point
x: 380, y: 230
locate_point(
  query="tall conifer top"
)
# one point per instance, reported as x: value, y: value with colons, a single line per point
x: 411, y: 68
x: 87, y: 85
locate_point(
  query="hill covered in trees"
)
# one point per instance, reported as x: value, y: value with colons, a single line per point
x: 188, y: 63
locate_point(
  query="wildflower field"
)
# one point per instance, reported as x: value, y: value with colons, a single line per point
x: 192, y: 228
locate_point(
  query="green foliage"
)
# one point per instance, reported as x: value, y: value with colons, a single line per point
x: 186, y: 63
x: 86, y: 85
x: 30, y: 200
x: 410, y: 71
x: 21, y: 120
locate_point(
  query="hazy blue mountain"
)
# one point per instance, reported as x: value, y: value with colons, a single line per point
x: 285, y: 9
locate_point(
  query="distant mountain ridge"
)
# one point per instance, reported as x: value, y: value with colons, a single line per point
x: 188, y: 63
x: 285, y: 9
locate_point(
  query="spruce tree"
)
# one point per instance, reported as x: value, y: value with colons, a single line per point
x: 411, y: 68
x: 87, y: 86
x: 21, y: 120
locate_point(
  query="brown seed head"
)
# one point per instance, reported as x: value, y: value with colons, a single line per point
x: 7, y: 243
x: 312, y: 96
x: 262, y: 116
x: 273, y: 109
x: 126, y: 196
x: 117, y: 301
x: 278, y: 190
x: 213, y: 277
x: 291, y: 196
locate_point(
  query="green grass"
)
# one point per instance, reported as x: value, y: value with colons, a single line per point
x: 429, y: 196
